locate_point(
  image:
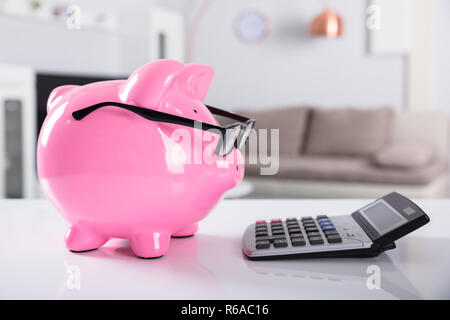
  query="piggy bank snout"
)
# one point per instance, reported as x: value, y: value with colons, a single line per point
x: 231, y: 170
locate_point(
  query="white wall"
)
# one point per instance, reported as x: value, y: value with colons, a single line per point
x: 53, y: 48
x: 290, y: 67
x: 440, y: 56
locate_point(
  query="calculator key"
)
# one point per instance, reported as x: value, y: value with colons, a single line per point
x: 313, y: 234
x: 296, y: 235
x: 260, y: 227
x: 262, y: 244
x: 330, y: 232
x: 274, y: 225
x: 316, y: 240
x: 261, y: 222
x: 334, y: 239
x: 294, y: 230
x: 322, y: 216
x: 329, y: 228
x: 277, y: 232
x: 298, y: 242
x: 311, y: 229
x: 326, y: 225
x: 261, y: 234
x: 263, y: 238
x: 309, y: 225
x: 277, y: 227
x: 291, y: 219
x: 304, y: 219
x: 280, y: 243
x: 275, y: 220
x: 277, y: 237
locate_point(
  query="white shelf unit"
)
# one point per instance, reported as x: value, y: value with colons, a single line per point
x: 18, y: 131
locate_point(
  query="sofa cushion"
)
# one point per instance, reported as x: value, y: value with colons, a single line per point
x: 403, y: 155
x: 291, y: 123
x: 348, y: 131
x: 350, y: 169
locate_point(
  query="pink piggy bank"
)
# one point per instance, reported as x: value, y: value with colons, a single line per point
x: 115, y: 174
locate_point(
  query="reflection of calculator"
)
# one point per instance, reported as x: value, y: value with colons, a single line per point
x: 365, y: 233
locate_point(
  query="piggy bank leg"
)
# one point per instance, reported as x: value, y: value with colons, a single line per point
x: 150, y: 244
x: 186, y: 232
x: 79, y: 239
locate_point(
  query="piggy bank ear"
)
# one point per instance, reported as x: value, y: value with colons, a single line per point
x: 57, y: 95
x: 147, y: 85
x: 194, y: 80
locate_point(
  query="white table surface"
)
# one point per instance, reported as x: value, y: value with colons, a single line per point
x: 211, y: 264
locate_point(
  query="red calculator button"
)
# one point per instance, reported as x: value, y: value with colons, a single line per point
x: 275, y: 220
x: 260, y: 221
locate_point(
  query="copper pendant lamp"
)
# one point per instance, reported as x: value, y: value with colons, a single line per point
x: 327, y: 24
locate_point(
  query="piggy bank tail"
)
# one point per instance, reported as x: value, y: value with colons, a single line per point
x: 57, y: 95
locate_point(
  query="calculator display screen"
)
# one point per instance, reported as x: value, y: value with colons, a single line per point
x: 382, y: 216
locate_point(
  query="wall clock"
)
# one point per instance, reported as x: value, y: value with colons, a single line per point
x: 252, y: 26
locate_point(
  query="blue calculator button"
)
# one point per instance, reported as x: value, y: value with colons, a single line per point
x: 329, y: 228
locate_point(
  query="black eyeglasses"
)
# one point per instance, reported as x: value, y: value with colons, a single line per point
x: 232, y: 136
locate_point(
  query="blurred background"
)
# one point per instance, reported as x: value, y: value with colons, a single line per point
x: 359, y: 89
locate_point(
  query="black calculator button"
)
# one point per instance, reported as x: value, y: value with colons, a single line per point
x: 261, y: 233
x: 294, y: 230
x: 322, y: 216
x: 278, y: 232
x: 291, y: 219
x: 296, y: 235
x: 313, y: 234
x: 309, y: 224
x: 280, y: 243
x: 316, y: 240
x: 307, y: 218
x: 263, y: 238
x: 277, y: 237
x: 260, y: 229
x: 334, y: 239
x: 331, y: 232
x: 298, y: 242
x: 311, y: 229
x: 262, y: 244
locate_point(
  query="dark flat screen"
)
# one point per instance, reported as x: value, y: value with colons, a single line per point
x: 382, y: 216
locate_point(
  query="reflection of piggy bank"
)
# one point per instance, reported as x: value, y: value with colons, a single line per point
x: 115, y: 174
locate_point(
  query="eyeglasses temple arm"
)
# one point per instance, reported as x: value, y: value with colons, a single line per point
x: 224, y: 113
x: 148, y: 114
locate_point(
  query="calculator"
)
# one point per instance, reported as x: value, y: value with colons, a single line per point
x: 366, y: 232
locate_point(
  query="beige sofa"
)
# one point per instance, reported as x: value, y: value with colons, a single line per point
x: 346, y: 152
